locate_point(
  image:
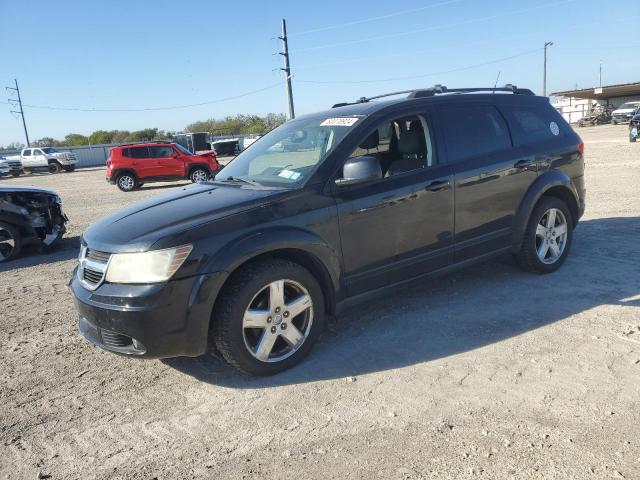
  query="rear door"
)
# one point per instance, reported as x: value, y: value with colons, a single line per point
x: 27, y: 158
x: 491, y: 177
x: 38, y: 158
x: 142, y: 164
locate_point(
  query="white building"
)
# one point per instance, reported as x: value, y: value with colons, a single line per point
x: 574, y: 104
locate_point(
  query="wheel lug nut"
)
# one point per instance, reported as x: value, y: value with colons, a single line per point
x: 273, y: 329
x: 269, y: 320
x: 277, y: 309
x: 283, y: 326
x: 285, y: 314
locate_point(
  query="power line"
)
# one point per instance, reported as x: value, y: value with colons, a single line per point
x: 469, y: 67
x: 151, y: 109
x: 436, y: 27
x: 373, y: 19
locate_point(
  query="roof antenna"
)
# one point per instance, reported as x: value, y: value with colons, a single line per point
x: 495, y: 85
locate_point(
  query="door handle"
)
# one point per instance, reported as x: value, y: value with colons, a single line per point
x: 437, y: 185
x: 524, y: 164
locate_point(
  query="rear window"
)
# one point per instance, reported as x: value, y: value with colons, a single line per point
x: 473, y: 131
x: 531, y: 125
x: 139, y: 152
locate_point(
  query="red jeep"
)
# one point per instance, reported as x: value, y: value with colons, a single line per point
x: 131, y: 166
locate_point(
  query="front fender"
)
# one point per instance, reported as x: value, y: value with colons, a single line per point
x: 546, y: 181
x: 253, y: 244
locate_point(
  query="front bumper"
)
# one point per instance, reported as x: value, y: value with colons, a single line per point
x: 151, y: 321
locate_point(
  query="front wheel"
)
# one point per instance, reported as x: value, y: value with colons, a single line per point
x: 69, y: 168
x: 10, y: 242
x: 15, y: 174
x: 199, y: 175
x: 268, y: 317
x: 55, y: 167
x: 548, y: 237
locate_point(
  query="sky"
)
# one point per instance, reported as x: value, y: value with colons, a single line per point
x: 133, y: 55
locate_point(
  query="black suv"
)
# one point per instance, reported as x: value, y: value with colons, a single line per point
x: 325, y: 209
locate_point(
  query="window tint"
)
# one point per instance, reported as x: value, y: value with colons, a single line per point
x: 27, y: 153
x: 37, y: 152
x: 474, y: 130
x: 401, y: 145
x: 139, y: 152
x: 160, y: 152
x: 530, y: 125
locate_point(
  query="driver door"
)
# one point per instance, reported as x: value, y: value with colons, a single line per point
x: 399, y: 226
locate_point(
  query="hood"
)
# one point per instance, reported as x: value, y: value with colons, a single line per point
x: 15, y: 188
x: 625, y: 110
x: 139, y: 226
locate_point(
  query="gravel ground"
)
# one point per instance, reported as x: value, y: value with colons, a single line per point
x: 488, y: 373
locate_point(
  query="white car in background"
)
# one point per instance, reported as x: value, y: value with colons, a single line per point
x: 46, y: 157
x: 624, y: 113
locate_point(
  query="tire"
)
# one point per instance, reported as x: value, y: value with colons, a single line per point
x: 69, y: 168
x: 27, y: 170
x: 15, y: 174
x: 613, y: 122
x: 10, y: 242
x: 251, y: 287
x: 126, y: 182
x: 632, y: 139
x: 558, y: 244
x: 199, y: 175
x: 55, y: 167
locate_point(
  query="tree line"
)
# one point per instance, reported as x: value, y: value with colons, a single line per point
x: 231, y: 125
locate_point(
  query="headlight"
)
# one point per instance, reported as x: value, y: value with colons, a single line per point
x: 146, y: 267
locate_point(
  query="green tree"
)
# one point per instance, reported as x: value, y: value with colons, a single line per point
x: 100, y: 137
x: 45, y: 142
x: 75, y: 139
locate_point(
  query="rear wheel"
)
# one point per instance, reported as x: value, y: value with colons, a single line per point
x: 16, y: 174
x: 10, y: 242
x: 548, y: 237
x: 55, y: 167
x: 199, y: 175
x: 126, y: 182
x: 268, y: 317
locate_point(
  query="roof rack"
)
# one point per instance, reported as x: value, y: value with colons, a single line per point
x: 441, y: 89
x: 141, y: 142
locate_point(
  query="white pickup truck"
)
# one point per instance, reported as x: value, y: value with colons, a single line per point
x: 46, y: 157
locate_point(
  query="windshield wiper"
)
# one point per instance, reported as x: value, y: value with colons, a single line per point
x: 242, y: 180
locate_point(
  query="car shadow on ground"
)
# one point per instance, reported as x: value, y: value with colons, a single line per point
x: 65, y: 249
x: 447, y: 315
x: 164, y: 186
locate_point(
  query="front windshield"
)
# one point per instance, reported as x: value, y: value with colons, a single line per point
x: 288, y: 155
x: 183, y: 150
x: 49, y: 150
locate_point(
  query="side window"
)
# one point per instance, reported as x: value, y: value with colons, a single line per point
x: 38, y: 152
x: 530, y: 125
x: 160, y: 152
x: 139, y: 152
x: 474, y: 130
x: 27, y: 153
x: 401, y: 145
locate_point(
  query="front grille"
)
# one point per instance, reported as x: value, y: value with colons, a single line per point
x: 98, y: 256
x: 115, y: 340
x: 92, y: 277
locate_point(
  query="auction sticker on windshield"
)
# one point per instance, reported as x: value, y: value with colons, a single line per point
x: 339, y: 122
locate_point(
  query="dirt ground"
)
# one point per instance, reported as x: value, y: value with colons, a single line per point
x: 488, y: 373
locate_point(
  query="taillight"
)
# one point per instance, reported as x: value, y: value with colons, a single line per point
x: 581, y: 148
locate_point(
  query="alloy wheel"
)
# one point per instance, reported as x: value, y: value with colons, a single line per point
x: 551, y: 236
x: 277, y: 321
x: 126, y: 182
x: 199, y: 176
x: 7, y: 243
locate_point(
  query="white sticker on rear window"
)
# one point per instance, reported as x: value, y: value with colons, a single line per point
x: 553, y: 126
x: 339, y: 122
x: 286, y: 173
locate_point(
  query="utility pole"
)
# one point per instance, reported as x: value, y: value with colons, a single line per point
x: 600, y: 75
x: 544, y: 75
x: 287, y: 68
x: 21, y: 112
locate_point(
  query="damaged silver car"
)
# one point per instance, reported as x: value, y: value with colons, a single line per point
x: 29, y: 216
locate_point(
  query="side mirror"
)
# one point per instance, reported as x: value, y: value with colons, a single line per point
x: 174, y: 155
x: 360, y: 170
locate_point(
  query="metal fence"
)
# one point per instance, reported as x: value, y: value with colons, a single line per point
x: 88, y: 155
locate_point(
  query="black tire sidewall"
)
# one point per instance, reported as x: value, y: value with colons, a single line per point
x: 543, y: 206
x: 126, y: 175
x: 228, y: 332
x: 198, y: 169
x: 17, y: 248
x: 55, y: 167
